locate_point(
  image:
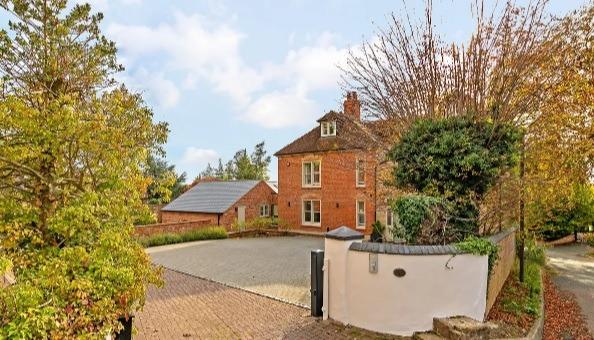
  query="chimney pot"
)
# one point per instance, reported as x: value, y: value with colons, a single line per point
x: 352, y: 106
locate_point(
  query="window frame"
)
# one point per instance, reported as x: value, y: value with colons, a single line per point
x: 390, y: 213
x: 312, y: 174
x: 357, y: 225
x: 311, y: 223
x: 328, y: 129
x: 266, y: 208
x: 358, y: 172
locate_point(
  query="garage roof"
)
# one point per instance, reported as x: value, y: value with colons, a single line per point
x: 211, y: 197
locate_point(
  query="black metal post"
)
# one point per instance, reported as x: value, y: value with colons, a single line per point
x: 317, y: 282
x: 126, y: 333
x: 522, y: 190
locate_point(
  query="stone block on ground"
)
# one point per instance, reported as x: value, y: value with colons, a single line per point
x: 461, y: 328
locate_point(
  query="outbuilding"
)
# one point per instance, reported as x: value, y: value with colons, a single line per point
x: 223, y: 202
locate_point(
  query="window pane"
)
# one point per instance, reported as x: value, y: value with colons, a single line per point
x: 360, y: 213
x: 360, y: 172
x: 316, y: 217
x: 389, y: 217
x: 316, y: 211
x: 324, y: 129
x: 307, y: 211
x: 316, y: 173
x: 307, y: 173
x: 332, y: 128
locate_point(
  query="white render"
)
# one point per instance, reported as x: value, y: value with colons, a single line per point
x: 385, y: 303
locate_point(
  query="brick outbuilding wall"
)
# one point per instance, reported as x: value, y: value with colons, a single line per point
x: 338, y: 192
x: 262, y: 193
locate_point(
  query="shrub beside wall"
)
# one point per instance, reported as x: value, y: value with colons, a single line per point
x: 210, y: 233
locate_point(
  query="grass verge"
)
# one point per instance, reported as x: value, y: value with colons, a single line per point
x: 210, y: 233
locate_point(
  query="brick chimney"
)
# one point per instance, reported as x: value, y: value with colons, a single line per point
x: 352, y: 106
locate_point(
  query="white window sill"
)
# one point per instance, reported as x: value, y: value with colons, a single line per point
x: 311, y: 186
x: 360, y: 227
x: 360, y: 185
x: 305, y: 224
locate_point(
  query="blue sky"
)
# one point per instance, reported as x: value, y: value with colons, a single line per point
x: 228, y: 74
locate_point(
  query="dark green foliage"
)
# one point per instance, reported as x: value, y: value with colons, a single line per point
x: 213, y: 233
x: 480, y: 246
x: 377, y: 233
x: 417, y: 219
x: 456, y: 159
x: 242, y: 166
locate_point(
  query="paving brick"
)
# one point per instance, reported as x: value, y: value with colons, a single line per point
x: 192, y: 308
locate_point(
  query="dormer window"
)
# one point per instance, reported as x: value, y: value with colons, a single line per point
x: 328, y: 128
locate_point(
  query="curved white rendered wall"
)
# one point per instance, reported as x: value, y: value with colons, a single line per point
x: 385, y: 303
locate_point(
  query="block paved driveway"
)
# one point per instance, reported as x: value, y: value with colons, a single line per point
x: 277, y: 267
x: 193, y: 308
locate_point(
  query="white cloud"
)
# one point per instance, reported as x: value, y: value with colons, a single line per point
x: 281, y: 109
x: 273, y: 95
x: 162, y: 91
x: 198, y: 158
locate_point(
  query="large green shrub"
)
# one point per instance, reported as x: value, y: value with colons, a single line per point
x: 455, y: 159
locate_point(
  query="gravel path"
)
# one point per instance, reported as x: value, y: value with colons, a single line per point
x: 575, y: 274
x: 277, y: 267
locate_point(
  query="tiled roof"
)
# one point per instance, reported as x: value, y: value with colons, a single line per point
x: 350, y: 134
x: 211, y: 197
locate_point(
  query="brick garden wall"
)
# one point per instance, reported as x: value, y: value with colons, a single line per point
x: 507, y: 254
x: 179, y: 216
x: 338, y: 192
x: 171, y: 227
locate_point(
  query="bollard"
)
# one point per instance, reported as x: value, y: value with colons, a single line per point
x: 317, y: 282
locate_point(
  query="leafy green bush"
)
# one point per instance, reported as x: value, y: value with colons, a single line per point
x: 480, y: 246
x: 456, y: 159
x: 282, y: 224
x: 257, y: 223
x: 418, y: 219
x: 211, y: 233
x: 534, y: 252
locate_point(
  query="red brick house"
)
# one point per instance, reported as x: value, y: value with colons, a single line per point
x: 223, y: 202
x: 327, y: 177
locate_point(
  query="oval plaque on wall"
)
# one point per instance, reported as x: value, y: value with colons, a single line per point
x: 399, y: 272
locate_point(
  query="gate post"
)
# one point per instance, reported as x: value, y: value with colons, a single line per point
x: 317, y: 282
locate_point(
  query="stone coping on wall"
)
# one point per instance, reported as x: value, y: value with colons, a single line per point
x: 401, y: 249
x: 496, y: 238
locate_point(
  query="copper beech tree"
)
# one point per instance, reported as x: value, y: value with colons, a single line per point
x: 73, y: 145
